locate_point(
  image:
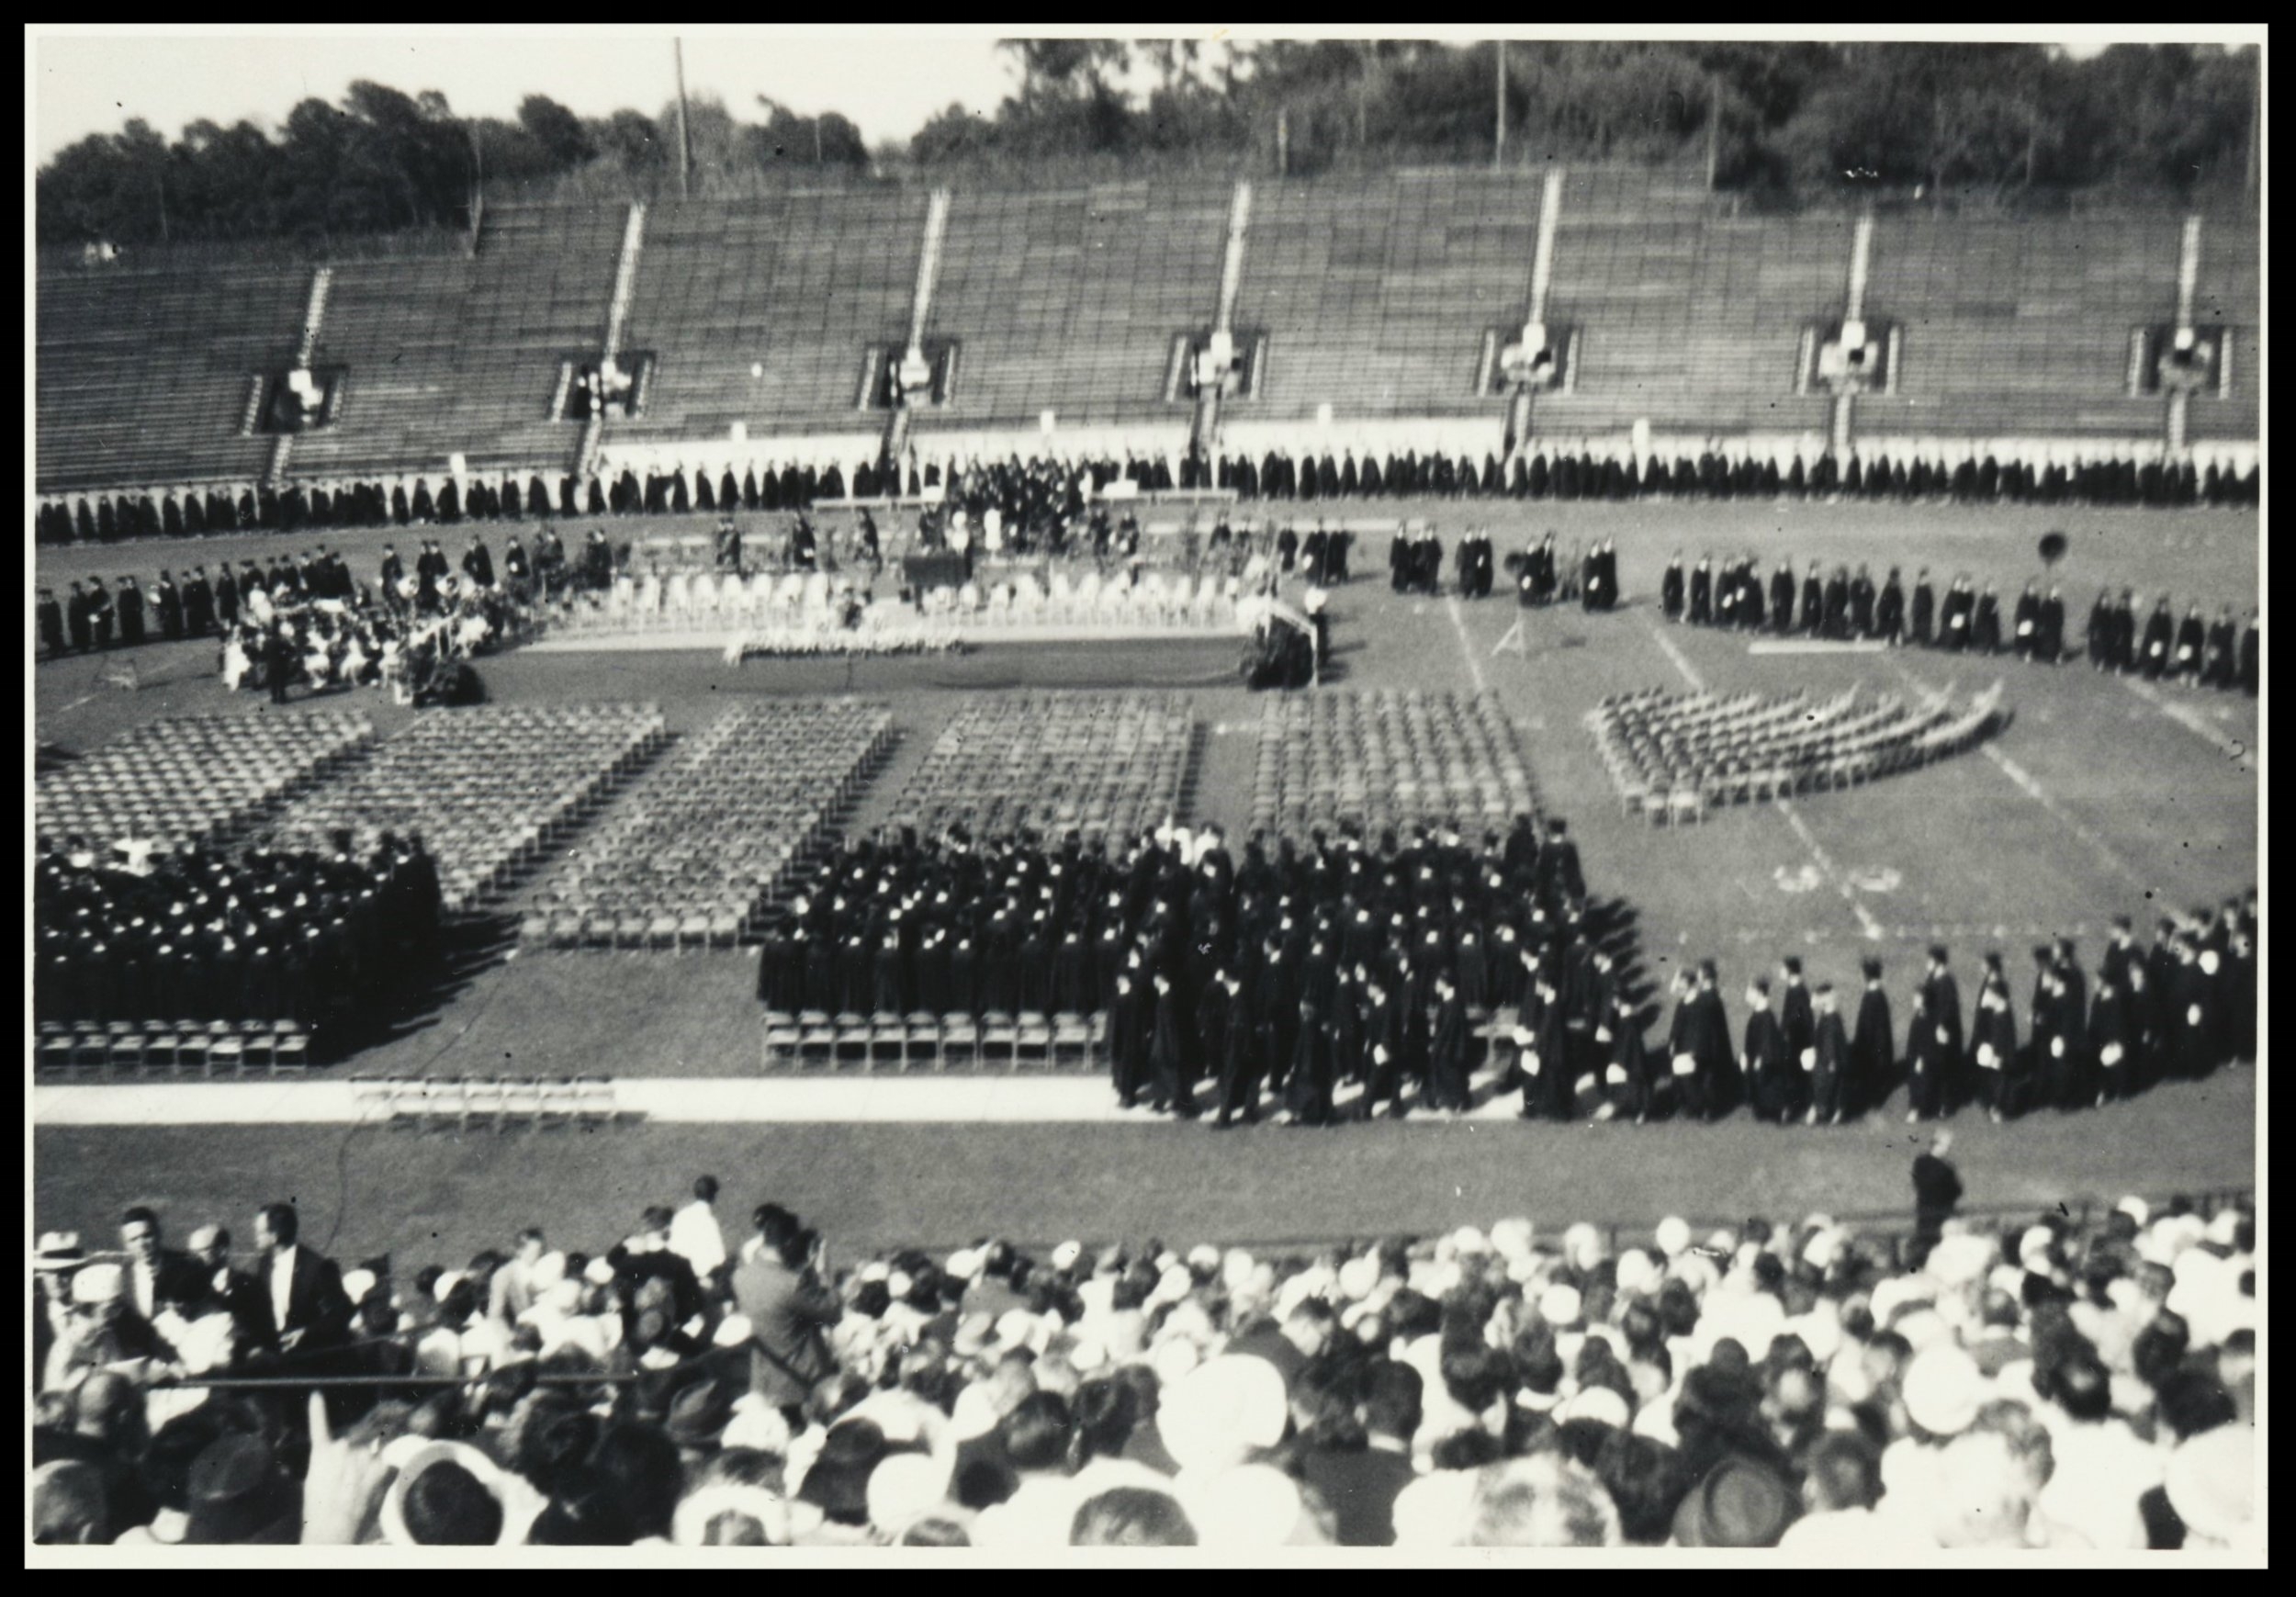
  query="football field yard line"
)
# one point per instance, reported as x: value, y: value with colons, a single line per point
x: 1467, y: 645
x: 2026, y: 784
x: 1871, y: 928
x: 2192, y: 721
x: 1680, y: 660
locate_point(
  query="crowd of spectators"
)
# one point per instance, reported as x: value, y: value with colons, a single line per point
x: 304, y: 936
x: 2222, y: 654
x: 2062, y: 1383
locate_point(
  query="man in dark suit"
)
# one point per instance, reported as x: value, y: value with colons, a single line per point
x: 1872, y: 1047
x: 1361, y: 1484
x: 236, y: 1293
x: 777, y: 1288
x: 304, y: 1306
x: 159, y: 1278
x: 1828, y: 1061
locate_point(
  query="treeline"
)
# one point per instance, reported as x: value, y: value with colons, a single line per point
x: 1791, y: 123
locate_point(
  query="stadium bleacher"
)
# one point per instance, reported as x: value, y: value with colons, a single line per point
x: 145, y: 377
x: 1377, y: 298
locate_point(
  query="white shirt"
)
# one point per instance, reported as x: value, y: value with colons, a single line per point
x: 694, y: 1236
x: 282, y: 1277
x: 147, y: 1281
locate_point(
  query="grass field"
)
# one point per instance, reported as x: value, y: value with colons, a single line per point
x: 2093, y: 801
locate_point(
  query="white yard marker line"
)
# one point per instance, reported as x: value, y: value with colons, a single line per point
x: 1680, y: 661
x: 2192, y: 721
x: 2033, y: 790
x: 1466, y: 647
x: 1871, y: 928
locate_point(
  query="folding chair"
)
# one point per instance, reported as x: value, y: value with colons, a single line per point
x: 55, y: 1047
x: 816, y: 1042
x: 850, y: 1050
x: 226, y: 1053
x: 256, y: 1043
x: 158, y: 1045
x: 1072, y: 1042
x: 522, y: 1100
x: 290, y: 1050
x: 960, y: 1042
x: 781, y: 1039
x: 594, y: 1100
x: 91, y: 1045
x: 923, y: 1046
x: 888, y: 1041
x: 482, y: 1100
x: 193, y: 1048
x: 1032, y: 1042
x: 1000, y: 1039
x: 554, y: 1101
x: 124, y: 1048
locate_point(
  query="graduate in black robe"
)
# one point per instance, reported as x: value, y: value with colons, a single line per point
x: 1782, y: 599
x: 1919, y: 629
x: 1308, y: 1094
x: 1670, y: 588
x: 1994, y: 1047
x: 1382, y: 1053
x: 2159, y: 629
x: 1774, y: 1075
x: 1872, y: 1047
x: 1170, y: 1062
x: 1129, y: 1026
x: 1446, y: 1086
x: 1933, y: 1043
x: 2110, y: 1042
x: 1985, y: 632
x: 1828, y: 1073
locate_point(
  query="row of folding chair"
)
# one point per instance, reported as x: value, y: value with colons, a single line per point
x: 153, y: 1049
x: 815, y: 1041
x: 498, y: 1102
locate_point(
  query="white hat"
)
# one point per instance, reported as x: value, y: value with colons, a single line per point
x: 446, y: 1283
x: 99, y: 1284
x: 358, y: 1284
x: 2224, y: 1230
x: 1173, y: 1285
x: 974, y: 1414
x: 1596, y: 1402
x: 1943, y: 1389
x: 1086, y: 1353
x: 1583, y: 1245
x: 1435, y: 1510
x: 1559, y: 1305
x: 876, y: 1270
x: 963, y: 1264
x: 1217, y: 1413
x: 2211, y: 1482
x: 2136, y: 1209
x: 1254, y: 1505
x: 546, y: 1272
x: 1468, y: 1239
x: 904, y: 1488
x: 899, y: 1285
x: 1065, y: 1257
x: 1172, y: 1358
x: 1017, y: 1328
x: 732, y: 1332
x: 1511, y: 1238
x: 598, y: 1273
x: 1957, y: 1261
x: 1637, y: 1271
x: 2038, y: 1239
x: 1358, y: 1276
x: 1203, y: 1258
x: 1236, y: 1269
x: 1673, y: 1236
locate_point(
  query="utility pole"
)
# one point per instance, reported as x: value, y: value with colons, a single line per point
x: 685, y: 142
x: 2256, y: 131
x: 1499, y: 143
x: 1283, y: 141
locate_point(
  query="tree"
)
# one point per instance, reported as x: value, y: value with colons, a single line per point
x: 564, y: 142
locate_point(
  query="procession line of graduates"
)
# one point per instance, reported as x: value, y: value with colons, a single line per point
x: 1845, y: 605
x: 1589, y: 577
x: 1284, y: 974
x: 311, y: 937
x: 1024, y: 493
